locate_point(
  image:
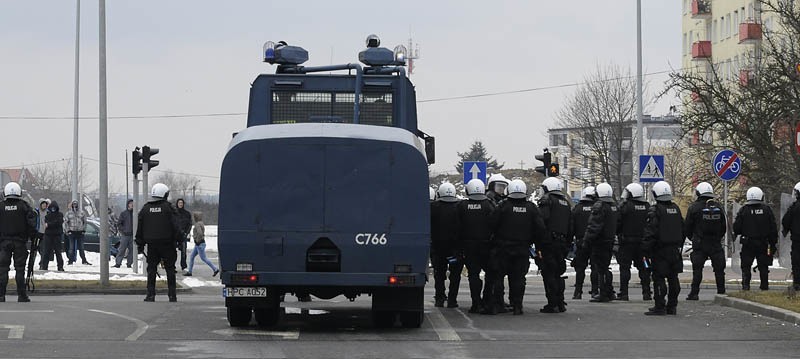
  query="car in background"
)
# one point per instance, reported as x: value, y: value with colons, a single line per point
x: 91, y: 239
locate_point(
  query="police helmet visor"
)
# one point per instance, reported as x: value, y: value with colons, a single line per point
x: 500, y: 187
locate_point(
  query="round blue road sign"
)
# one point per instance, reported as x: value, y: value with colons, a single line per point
x: 726, y: 165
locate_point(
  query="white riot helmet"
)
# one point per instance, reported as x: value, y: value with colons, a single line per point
x: 432, y: 193
x: 797, y: 190
x: 588, y: 193
x: 447, y: 192
x: 517, y: 189
x: 12, y: 190
x: 662, y: 191
x: 755, y: 195
x: 704, y: 189
x: 552, y: 184
x: 160, y: 191
x: 476, y: 190
x: 633, y: 190
x: 496, y: 180
x: 604, y: 192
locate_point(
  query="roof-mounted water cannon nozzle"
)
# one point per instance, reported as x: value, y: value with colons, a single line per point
x: 373, y: 40
x: 283, y: 54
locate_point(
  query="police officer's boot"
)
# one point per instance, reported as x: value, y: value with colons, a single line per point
x: 593, y: 279
x: 764, y: 274
x: 720, y: 279
x: 746, y: 276
x: 578, y: 293
x: 562, y: 286
x: 22, y: 293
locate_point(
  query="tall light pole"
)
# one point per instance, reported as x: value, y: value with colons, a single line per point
x: 639, y: 95
x: 75, y: 105
x: 103, y: 152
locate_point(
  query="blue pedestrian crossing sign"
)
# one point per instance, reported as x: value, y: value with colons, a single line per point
x: 727, y: 165
x: 474, y: 169
x: 651, y: 168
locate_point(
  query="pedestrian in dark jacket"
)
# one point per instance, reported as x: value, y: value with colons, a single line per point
x: 125, y: 226
x: 53, y: 232
x: 185, y: 225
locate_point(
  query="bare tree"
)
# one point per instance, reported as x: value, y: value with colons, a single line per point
x: 57, y: 176
x: 180, y: 184
x: 754, y: 111
x: 603, y: 111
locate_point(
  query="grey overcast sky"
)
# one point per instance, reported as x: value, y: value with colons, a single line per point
x: 199, y: 56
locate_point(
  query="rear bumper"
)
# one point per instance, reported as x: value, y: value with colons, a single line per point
x: 313, y: 279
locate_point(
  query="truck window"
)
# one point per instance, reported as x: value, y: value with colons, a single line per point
x: 331, y: 107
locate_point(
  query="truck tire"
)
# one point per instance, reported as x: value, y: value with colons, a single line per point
x: 267, y: 317
x: 383, y: 318
x: 412, y: 319
x: 239, y: 316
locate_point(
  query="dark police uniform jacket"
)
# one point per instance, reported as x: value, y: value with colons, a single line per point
x: 516, y: 225
x: 663, y: 237
x: 557, y: 217
x: 602, y: 225
x: 704, y: 224
x: 17, y: 220
x: 157, y: 224
x: 632, y: 219
x: 580, y: 219
x: 756, y: 222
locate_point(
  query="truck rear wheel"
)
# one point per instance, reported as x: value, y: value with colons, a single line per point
x: 411, y: 319
x: 239, y: 316
x: 267, y: 317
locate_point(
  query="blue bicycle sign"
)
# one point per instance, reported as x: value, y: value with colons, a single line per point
x: 727, y: 165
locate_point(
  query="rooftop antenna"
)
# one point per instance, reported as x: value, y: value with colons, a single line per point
x: 413, y: 54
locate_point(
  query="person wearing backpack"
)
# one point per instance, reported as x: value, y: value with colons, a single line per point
x: 705, y: 227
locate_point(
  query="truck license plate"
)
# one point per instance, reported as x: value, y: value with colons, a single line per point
x: 230, y: 292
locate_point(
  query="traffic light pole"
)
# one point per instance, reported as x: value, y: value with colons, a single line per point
x: 135, y: 218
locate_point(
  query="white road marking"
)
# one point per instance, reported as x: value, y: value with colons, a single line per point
x: 141, y: 326
x: 441, y: 326
x: 234, y: 331
x: 471, y: 325
x: 14, y: 331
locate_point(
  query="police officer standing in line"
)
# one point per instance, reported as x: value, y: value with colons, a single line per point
x: 474, y: 236
x: 517, y: 224
x: 580, y: 219
x: 599, y: 236
x: 557, y: 217
x: 661, y: 245
x: 705, y: 227
x: 17, y: 226
x: 496, y: 188
x: 444, y: 231
x: 158, y: 228
x: 755, y: 222
x: 791, y: 223
x: 630, y: 229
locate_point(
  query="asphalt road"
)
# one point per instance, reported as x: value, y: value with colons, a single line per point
x: 110, y: 326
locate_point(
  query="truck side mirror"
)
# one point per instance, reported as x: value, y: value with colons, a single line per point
x: 430, y: 149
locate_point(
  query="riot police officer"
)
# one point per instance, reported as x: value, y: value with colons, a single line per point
x: 473, y: 239
x: 791, y: 223
x: 158, y: 229
x: 705, y: 227
x: 444, y: 231
x: 496, y: 190
x: 557, y: 217
x: 630, y: 229
x: 580, y: 218
x: 17, y: 226
x: 599, y: 236
x: 517, y: 224
x: 661, y: 246
x: 755, y: 223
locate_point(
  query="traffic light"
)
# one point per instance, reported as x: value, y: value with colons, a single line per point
x: 147, y: 153
x: 552, y: 171
x: 545, y: 167
x: 137, y: 161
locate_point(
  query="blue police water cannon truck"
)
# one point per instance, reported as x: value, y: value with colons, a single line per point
x: 326, y: 190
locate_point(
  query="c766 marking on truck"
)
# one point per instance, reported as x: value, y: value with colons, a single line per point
x: 371, y: 239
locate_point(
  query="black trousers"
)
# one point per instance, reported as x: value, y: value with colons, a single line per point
x: 52, y: 245
x: 581, y: 263
x: 553, y: 267
x: 476, y: 258
x: 513, y: 262
x: 702, y: 251
x: 630, y: 254
x: 158, y: 253
x: 440, y: 274
x: 796, y: 263
x: 755, y: 250
x: 667, y: 264
x: 601, y: 261
x: 182, y: 249
x: 12, y: 248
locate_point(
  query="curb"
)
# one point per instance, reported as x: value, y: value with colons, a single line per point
x: 758, y: 308
x: 94, y: 291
